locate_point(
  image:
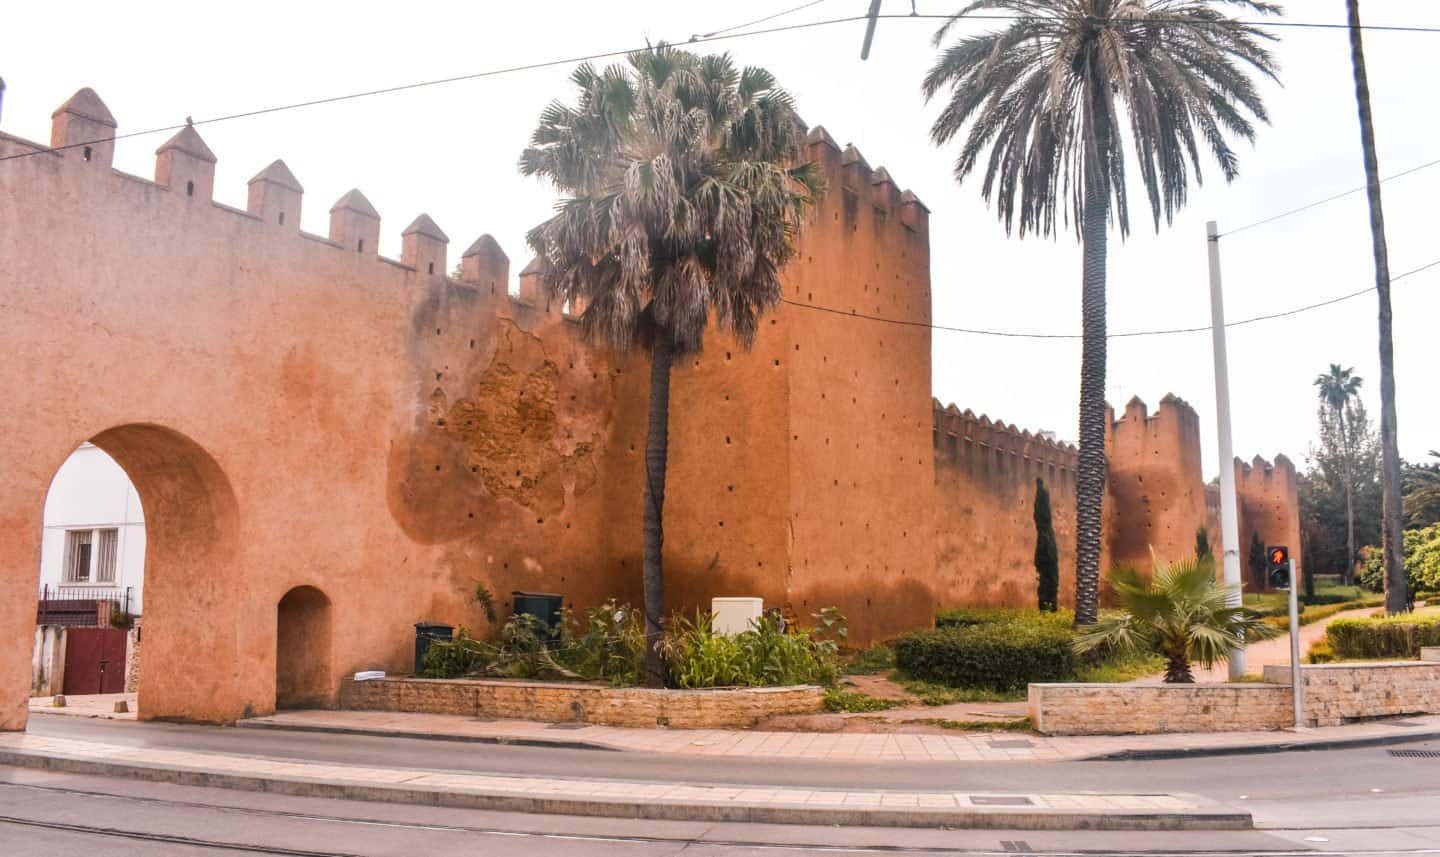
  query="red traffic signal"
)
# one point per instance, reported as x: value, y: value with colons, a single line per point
x: 1278, y: 559
x: 1279, y: 555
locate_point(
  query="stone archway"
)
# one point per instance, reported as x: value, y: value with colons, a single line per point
x: 302, y: 650
x: 190, y: 571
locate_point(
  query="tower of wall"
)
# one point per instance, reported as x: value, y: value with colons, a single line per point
x: 859, y: 410
x: 1268, y: 503
x: 1155, y: 483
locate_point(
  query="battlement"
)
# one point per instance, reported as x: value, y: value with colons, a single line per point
x: 961, y: 435
x: 852, y: 178
x: 1260, y: 471
x: 82, y: 140
x: 1137, y: 413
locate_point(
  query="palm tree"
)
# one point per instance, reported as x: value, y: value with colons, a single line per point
x: 1338, y: 388
x: 1182, y: 613
x: 1422, y: 496
x: 1392, y: 514
x: 683, y: 189
x: 1052, y: 97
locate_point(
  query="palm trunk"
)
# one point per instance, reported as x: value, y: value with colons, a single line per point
x: 1177, y: 669
x: 657, y: 448
x: 1392, y: 518
x: 1349, y: 527
x: 1090, y: 476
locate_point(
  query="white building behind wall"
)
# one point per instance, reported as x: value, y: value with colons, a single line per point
x: 94, y: 530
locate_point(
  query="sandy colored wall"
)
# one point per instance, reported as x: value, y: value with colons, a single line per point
x: 1268, y: 503
x: 985, y: 500
x: 859, y: 417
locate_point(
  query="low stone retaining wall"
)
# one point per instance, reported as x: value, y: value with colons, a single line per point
x: 1334, y: 694
x: 567, y: 702
x: 1142, y: 709
x: 1344, y: 692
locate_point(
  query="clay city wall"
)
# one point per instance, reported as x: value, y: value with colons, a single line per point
x: 1156, y: 485
x: 985, y: 476
x: 296, y: 410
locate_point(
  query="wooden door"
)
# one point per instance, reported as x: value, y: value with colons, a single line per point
x: 94, y: 660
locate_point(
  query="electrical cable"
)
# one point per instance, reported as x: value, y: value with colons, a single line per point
x: 1319, y: 202
x: 697, y: 37
x: 1015, y: 334
x: 718, y: 36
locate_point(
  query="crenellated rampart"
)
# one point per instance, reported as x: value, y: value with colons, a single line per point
x: 985, y: 481
x: 1156, y: 486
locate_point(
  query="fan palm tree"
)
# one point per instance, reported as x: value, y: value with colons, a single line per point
x: 1052, y: 98
x: 1392, y: 523
x: 1337, y: 389
x: 683, y: 189
x: 1422, y: 498
x: 1182, y: 613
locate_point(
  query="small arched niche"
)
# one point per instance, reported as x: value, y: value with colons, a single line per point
x: 302, y: 650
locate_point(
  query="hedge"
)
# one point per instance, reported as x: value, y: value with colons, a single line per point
x: 1399, y: 636
x: 1004, y: 655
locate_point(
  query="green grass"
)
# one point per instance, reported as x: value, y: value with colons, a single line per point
x: 933, y: 693
x: 872, y: 661
x: 1121, y: 668
x: 1018, y: 725
x: 854, y: 701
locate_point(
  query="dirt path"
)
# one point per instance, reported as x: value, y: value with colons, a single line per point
x: 1277, y: 651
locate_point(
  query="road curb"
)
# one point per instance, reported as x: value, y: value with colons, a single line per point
x: 1216, y: 818
x: 558, y: 744
x: 1260, y: 749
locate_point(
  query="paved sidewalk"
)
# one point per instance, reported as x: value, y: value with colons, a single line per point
x: 618, y: 798
x: 848, y: 746
x: 87, y: 705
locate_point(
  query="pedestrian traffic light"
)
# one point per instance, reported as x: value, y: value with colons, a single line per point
x: 1278, y: 561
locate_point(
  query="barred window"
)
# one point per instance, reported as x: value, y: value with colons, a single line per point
x: 90, y: 555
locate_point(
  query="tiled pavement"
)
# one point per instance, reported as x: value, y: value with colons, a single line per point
x: 624, y: 798
x: 842, y: 746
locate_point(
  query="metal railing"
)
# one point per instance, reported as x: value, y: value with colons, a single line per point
x: 78, y: 605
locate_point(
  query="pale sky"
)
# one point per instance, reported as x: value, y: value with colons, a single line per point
x: 451, y: 151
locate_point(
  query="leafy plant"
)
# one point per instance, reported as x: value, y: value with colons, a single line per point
x: 486, y: 600
x: 1398, y: 636
x: 877, y: 659
x: 1000, y: 656
x: 610, y: 647
x: 854, y: 701
x: 1182, y: 614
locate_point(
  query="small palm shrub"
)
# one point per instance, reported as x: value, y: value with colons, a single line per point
x: 1182, y: 614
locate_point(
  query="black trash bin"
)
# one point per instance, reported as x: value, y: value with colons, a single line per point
x: 424, y: 633
x: 545, y: 606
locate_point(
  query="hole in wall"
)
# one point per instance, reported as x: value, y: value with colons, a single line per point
x: 88, y: 153
x: 431, y: 267
x: 282, y: 218
x: 189, y: 188
x: 360, y: 246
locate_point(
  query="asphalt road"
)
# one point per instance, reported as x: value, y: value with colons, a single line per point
x: 1353, y: 802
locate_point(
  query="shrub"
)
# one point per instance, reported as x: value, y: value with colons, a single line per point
x: 872, y: 661
x: 967, y: 617
x: 997, y: 655
x: 1399, y: 636
x: 764, y: 655
x: 854, y: 701
x: 1320, y: 652
x: 1422, y: 562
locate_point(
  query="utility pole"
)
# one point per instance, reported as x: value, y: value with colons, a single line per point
x: 873, y: 17
x: 1229, y: 516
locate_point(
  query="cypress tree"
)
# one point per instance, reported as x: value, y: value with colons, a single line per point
x: 1202, y: 542
x: 1258, y: 561
x: 1047, y: 552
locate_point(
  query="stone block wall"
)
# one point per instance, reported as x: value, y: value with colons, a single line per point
x: 565, y: 702
x: 1341, y: 693
x: 1140, y: 709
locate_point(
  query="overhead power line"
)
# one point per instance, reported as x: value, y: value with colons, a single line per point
x: 1329, y: 199
x: 789, y: 11
x: 1016, y: 334
x: 718, y: 35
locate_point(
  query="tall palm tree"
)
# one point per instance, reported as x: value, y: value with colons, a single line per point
x: 1392, y: 514
x: 683, y: 189
x: 1052, y: 98
x: 1337, y: 389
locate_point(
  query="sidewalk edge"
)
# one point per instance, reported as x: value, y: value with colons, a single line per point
x: 371, y: 732
x: 1220, y: 818
x: 1260, y: 749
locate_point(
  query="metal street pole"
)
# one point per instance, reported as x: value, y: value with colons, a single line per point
x: 874, y: 16
x: 1295, y: 648
x: 1229, y: 517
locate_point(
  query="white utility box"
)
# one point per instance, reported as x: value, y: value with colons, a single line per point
x: 733, y: 615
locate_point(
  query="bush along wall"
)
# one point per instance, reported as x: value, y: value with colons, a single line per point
x: 997, y: 655
x: 1399, y: 636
